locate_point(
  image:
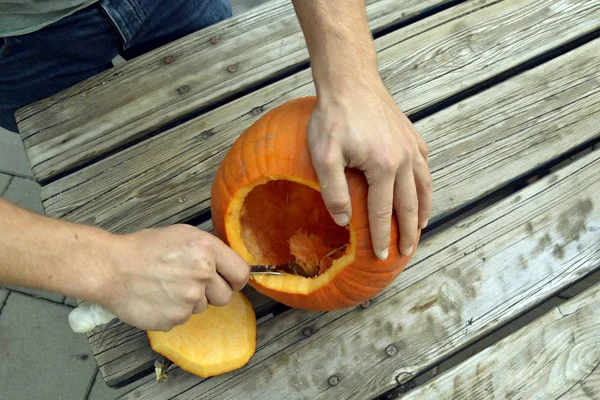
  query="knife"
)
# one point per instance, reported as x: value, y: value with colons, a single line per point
x: 87, y: 316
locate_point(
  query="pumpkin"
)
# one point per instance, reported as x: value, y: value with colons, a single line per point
x: 214, y: 342
x: 266, y: 205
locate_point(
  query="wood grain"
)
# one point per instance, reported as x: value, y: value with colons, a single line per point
x: 536, y: 116
x: 114, y: 108
x: 463, y: 284
x: 556, y: 356
x: 167, y: 179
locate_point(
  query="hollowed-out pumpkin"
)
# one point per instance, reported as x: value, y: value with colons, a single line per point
x: 267, y: 206
x: 216, y: 341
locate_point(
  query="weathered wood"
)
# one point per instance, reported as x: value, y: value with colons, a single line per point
x: 462, y: 285
x: 167, y: 179
x: 126, y: 102
x: 556, y: 356
x: 536, y: 115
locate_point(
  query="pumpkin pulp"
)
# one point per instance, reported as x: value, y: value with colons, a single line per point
x: 284, y: 220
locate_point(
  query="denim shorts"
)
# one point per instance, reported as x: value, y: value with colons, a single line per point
x: 38, y: 64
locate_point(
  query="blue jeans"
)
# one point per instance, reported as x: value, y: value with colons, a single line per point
x: 41, y: 63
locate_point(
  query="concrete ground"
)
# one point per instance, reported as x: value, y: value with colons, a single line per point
x: 41, y: 356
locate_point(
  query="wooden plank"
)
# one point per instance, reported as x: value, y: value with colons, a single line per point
x: 124, y: 103
x: 535, y: 116
x: 167, y: 179
x: 462, y: 285
x: 556, y: 356
x: 242, y: 6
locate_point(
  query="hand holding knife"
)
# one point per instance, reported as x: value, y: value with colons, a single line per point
x: 87, y: 316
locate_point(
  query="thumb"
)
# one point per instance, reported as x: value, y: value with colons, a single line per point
x: 334, y: 189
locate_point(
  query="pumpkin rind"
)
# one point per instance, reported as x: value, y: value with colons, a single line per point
x: 275, y: 147
x: 214, y: 342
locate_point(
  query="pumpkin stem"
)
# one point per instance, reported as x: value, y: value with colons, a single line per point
x: 160, y: 368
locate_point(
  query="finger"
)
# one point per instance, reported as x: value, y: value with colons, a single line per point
x: 200, y: 305
x: 423, y: 148
x: 380, y: 205
x: 218, y: 292
x: 424, y: 191
x: 406, y: 205
x: 334, y: 189
x: 231, y: 266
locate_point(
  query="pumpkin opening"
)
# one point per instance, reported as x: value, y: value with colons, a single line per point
x: 283, y: 222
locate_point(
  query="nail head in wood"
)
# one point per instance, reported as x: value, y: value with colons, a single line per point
x: 232, y: 68
x: 307, y: 332
x: 333, y: 380
x: 169, y: 59
x: 391, y: 350
x: 215, y: 39
x: 183, y: 89
x: 365, y: 304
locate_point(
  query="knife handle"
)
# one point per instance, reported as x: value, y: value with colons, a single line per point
x: 87, y: 316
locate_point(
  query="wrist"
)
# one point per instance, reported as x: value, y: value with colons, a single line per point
x: 100, y: 276
x: 343, y: 74
x: 342, y: 90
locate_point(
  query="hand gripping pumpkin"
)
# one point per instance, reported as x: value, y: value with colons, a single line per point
x: 267, y: 206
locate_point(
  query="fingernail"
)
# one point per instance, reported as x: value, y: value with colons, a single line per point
x: 383, y: 255
x: 341, y: 219
x: 425, y: 224
x: 408, y: 251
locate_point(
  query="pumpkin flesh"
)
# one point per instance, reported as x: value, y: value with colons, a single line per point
x: 292, y: 225
x: 216, y: 341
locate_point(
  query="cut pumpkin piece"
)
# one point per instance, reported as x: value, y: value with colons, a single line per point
x: 214, y: 342
x: 266, y: 204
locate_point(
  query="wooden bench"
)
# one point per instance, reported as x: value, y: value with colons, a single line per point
x: 501, y: 90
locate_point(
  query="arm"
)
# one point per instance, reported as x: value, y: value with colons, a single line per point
x: 357, y: 124
x: 339, y: 42
x: 47, y: 254
x: 153, y: 279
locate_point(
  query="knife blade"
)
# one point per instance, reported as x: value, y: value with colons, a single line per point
x: 278, y: 269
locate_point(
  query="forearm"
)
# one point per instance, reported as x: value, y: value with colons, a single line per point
x: 52, y: 255
x: 339, y: 42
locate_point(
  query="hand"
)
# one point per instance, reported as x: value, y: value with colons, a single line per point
x: 362, y: 127
x: 162, y: 276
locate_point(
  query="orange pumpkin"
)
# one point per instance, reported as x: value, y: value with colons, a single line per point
x: 216, y: 341
x: 267, y: 206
